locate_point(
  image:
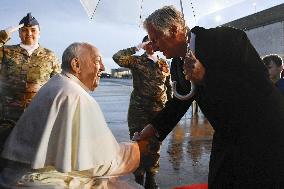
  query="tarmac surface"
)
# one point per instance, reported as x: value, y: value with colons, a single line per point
x: 185, y: 152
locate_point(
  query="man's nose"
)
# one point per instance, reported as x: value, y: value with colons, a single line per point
x: 29, y: 32
x: 102, y: 67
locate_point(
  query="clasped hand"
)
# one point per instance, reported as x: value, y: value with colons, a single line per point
x: 141, y: 138
x: 193, y: 69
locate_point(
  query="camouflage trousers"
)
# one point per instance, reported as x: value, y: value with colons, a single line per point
x: 6, y: 127
x: 137, y: 119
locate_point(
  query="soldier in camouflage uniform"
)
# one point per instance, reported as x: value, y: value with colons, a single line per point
x: 24, y: 69
x: 151, y: 90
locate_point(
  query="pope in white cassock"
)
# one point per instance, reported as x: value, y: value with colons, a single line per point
x: 62, y: 139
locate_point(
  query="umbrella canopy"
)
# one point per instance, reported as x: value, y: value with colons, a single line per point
x: 116, y: 24
x: 135, y: 11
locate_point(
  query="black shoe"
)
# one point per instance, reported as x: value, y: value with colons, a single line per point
x: 139, y: 179
x: 150, y: 182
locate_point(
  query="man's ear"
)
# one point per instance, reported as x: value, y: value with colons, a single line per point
x: 75, y: 65
x: 173, y: 30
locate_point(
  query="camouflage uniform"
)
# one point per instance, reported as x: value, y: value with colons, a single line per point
x: 151, y: 90
x: 21, y: 76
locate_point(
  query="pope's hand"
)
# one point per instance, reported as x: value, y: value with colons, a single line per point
x: 142, y: 45
x: 193, y: 69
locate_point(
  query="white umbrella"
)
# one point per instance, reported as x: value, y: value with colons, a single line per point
x: 129, y: 11
x: 91, y: 6
x: 133, y: 12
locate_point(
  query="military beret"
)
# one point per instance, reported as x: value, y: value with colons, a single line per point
x: 29, y: 20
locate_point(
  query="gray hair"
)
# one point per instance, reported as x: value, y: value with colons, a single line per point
x: 163, y: 18
x: 72, y: 51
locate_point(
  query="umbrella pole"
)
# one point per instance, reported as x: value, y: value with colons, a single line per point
x: 192, y: 91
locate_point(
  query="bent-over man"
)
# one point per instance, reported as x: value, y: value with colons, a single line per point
x: 233, y: 90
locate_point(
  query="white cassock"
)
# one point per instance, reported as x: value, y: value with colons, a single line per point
x: 62, y: 141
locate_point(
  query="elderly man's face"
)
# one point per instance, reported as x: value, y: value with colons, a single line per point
x: 162, y: 42
x: 91, y: 68
x: 29, y: 35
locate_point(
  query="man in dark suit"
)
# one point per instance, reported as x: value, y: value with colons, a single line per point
x: 233, y: 90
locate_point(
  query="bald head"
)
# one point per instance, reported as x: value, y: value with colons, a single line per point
x: 85, y: 62
x: 73, y: 51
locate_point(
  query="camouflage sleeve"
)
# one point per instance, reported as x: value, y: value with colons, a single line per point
x: 1, y: 55
x: 3, y: 37
x: 125, y: 58
x: 169, y: 87
x: 56, y: 68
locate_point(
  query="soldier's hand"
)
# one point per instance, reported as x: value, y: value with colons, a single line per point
x: 12, y: 29
x: 142, y: 45
x: 193, y: 69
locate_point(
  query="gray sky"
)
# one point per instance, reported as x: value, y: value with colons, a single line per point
x: 116, y: 22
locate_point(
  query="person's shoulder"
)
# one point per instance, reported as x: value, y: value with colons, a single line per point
x: 220, y: 29
x: 47, y: 51
x: 138, y: 59
x: 12, y: 47
x: 57, y: 91
x: 62, y: 86
x: 280, y: 83
x: 231, y: 30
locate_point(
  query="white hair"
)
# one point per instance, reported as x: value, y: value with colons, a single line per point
x: 163, y: 18
x: 72, y: 51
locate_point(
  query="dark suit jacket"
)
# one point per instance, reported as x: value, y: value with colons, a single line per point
x: 243, y: 106
x: 280, y: 85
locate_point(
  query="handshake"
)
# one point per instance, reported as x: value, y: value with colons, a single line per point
x: 147, y: 132
x: 141, y: 137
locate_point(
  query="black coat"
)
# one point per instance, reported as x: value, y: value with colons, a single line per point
x: 243, y: 106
